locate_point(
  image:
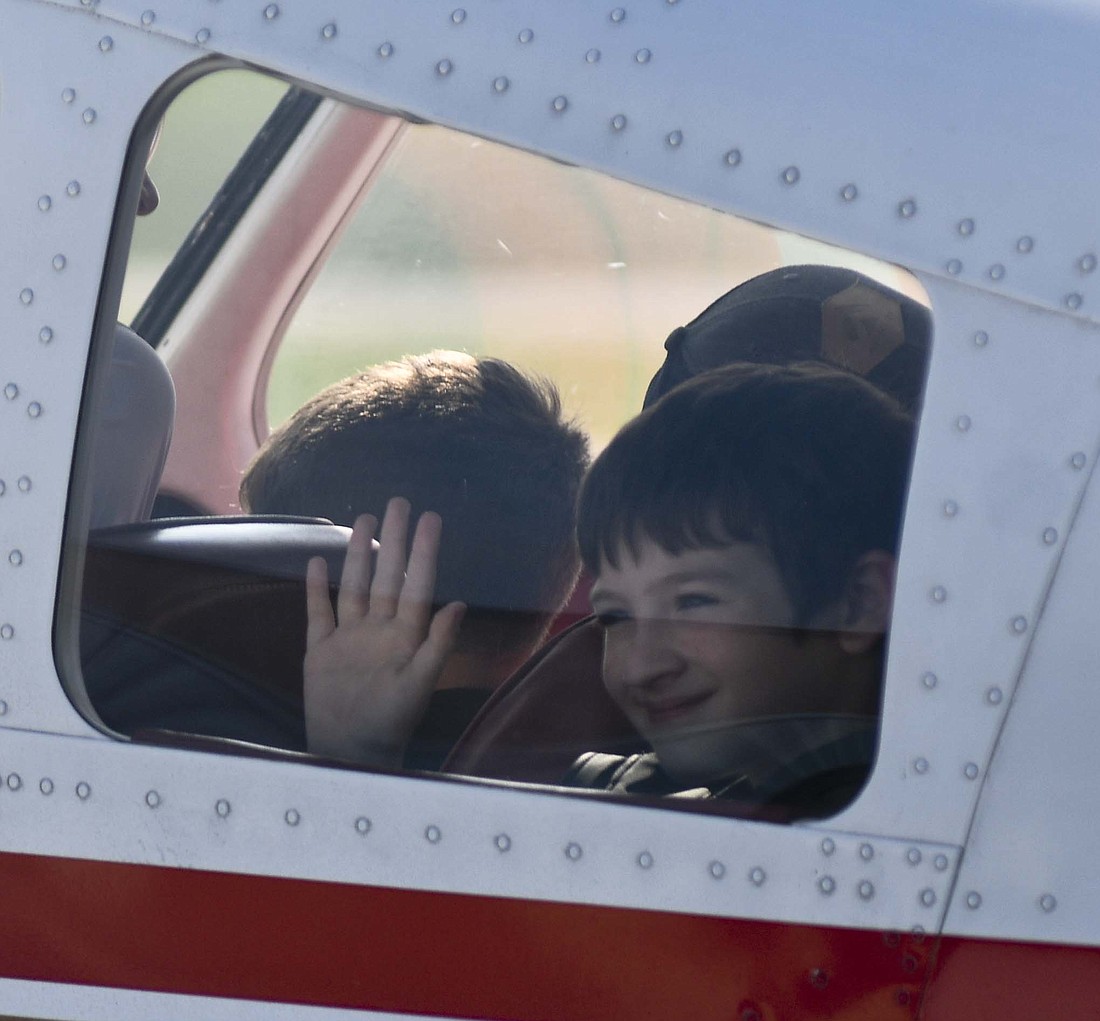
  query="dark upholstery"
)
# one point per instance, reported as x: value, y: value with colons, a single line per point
x: 552, y: 710
x: 198, y: 624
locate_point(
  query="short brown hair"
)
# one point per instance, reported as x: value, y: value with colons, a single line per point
x: 474, y: 439
x: 808, y: 460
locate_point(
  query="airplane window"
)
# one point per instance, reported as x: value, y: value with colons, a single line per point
x: 443, y: 332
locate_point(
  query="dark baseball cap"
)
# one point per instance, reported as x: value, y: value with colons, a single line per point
x: 807, y: 313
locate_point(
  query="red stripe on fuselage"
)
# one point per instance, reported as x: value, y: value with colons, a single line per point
x: 286, y: 940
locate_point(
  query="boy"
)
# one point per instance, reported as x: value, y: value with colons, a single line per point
x: 742, y: 534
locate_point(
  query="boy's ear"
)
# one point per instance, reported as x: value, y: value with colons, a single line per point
x: 868, y: 601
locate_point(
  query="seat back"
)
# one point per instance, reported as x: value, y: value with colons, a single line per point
x: 198, y: 624
x: 552, y: 710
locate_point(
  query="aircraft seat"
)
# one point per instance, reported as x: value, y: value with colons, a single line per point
x: 198, y: 624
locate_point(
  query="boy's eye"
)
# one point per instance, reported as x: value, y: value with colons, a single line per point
x: 694, y: 600
x: 609, y: 618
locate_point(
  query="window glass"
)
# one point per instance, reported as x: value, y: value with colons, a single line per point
x: 738, y: 539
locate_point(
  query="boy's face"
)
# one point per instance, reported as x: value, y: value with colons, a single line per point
x: 691, y: 650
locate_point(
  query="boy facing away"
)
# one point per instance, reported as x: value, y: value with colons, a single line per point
x: 742, y: 534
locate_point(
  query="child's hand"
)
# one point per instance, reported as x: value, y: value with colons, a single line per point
x: 368, y: 678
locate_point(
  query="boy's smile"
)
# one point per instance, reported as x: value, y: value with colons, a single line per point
x: 701, y: 642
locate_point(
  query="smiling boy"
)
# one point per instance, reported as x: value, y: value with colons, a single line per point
x: 742, y: 534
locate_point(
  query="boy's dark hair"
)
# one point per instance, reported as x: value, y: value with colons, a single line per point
x: 472, y: 438
x: 810, y: 461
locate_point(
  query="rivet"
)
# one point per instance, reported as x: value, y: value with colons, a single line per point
x: 994, y: 695
x: 826, y: 884
x: 732, y: 158
x: 560, y: 104
x: 903, y: 997
x: 618, y: 122
x: 819, y: 978
x: 1025, y: 244
x: 68, y: 95
x: 973, y: 900
x: 15, y: 782
x: 1047, y: 902
x: 592, y: 56
x: 83, y: 791
x: 24, y: 483
x: 950, y: 508
x: 645, y: 860
x: 328, y: 31
x: 1050, y: 536
x: 970, y: 771
x: 291, y: 817
x: 15, y: 558
x: 674, y: 139
x: 966, y: 227
x: 909, y: 963
x: 152, y: 799
x: 44, y: 203
x: 1019, y: 625
x: 1078, y: 460
x: 716, y: 869
x: 938, y: 594
x: 11, y: 391
x: 849, y: 193
x: 917, y: 932
x: 385, y: 50
x: 757, y: 876
x: 106, y: 44
x: 526, y: 35
x: 928, y: 897
x: 7, y: 632
x: 88, y: 116
x: 59, y: 262
x: 618, y: 15
x: 573, y: 851
x: 500, y: 84
x: 362, y: 825
x: 148, y: 17
x: 828, y: 846
x: 45, y: 335
x: 920, y: 765
x: 866, y: 890
x: 45, y: 785
x: 1087, y: 263
x: 1074, y: 301
x: 954, y: 267
x: 790, y: 175
x: 26, y: 296
x: 913, y: 856
x: 502, y: 842
x: 643, y: 56
x: 963, y: 423
x: 996, y: 271
x: 940, y: 862
x: 929, y: 679
x: 981, y: 338
x: 271, y: 12
x: 433, y: 834
x: 34, y: 409
x: 202, y: 36
x: 907, y: 209
x: 458, y: 15
x: 866, y: 852
x: 72, y: 189
x: 223, y: 808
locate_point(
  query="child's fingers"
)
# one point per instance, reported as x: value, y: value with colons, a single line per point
x: 415, y: 603
x: 352, y: 602
x: 389, y: 572
x: 442, y: 636
x: 319, y: 620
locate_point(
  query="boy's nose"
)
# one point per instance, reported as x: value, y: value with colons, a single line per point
x: 648, y: 652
